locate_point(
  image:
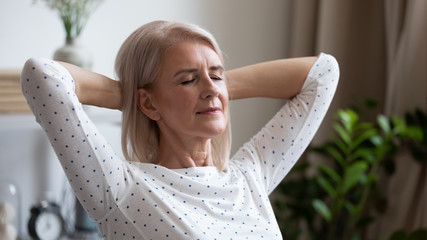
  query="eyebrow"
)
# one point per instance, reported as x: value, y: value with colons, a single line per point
x: 193, y: 70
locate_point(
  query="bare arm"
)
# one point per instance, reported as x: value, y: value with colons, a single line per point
x: 95, y: 89
x: 276, y: 79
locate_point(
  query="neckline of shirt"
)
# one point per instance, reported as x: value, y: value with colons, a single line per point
x: 182, y: 171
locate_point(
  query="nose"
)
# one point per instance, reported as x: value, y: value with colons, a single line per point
x: 209, y: 88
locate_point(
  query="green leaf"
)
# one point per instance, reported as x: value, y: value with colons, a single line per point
x: 326, y: 185
x: 363, y: 179
x: 322, y: 209
x: 353, y: 174
x: 384, y: 123
x: 364, y: 136
x: 373, y: 177
x: 397, y: 121
x: 348, y: 118
x: 377, y: 140
x: 335, y: 155
x: 414, y: 133
x: 399, y: 125
x: 339, y: 143
x: 364, y: 153
x: 363, y: 126
x: 342, y: 133
x: 330, y: 172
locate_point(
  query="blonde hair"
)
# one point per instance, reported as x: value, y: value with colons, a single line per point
x: 137, y: 65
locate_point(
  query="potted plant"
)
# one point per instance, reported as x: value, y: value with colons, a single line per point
x: 74, y: 15
x: 338, y: 201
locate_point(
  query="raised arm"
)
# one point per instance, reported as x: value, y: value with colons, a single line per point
x: 272, y: 152
x: 275, y: 79
x: 95, y: 89
x: 85, y: 155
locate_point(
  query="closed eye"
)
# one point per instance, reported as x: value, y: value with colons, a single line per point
x: 216, y: 78
x: 187, y: 82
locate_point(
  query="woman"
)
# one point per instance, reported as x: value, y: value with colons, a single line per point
x: 176, y: 181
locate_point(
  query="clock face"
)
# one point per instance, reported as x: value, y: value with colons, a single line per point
x: 48, y: 226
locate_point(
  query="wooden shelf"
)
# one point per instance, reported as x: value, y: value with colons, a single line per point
x: 11, y: 98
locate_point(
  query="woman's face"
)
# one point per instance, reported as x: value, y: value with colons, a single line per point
x: 190, y: 94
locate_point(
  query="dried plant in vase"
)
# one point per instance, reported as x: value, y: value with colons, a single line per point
x: 74, y: 15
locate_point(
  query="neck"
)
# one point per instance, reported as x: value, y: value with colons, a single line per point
x: 175, y: 152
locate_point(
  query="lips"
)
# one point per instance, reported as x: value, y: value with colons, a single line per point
x: 210, y: 110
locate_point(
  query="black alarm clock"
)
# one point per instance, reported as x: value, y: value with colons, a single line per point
x: 46, y: 222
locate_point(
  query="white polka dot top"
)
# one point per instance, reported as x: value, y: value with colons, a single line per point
x: 129, y: 200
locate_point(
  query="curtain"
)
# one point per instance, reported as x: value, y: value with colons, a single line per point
x: 353, y: 31
x: 406, y: 41
x: 381, y: 47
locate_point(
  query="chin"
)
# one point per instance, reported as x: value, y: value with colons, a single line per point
x: 212, y: 129
x: 219, y: 132
x: 214, y: 132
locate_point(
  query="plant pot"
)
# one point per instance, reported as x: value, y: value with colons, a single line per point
x: 73, y: 52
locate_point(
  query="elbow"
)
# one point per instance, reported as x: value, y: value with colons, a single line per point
x: 33, y: 76
x: 28, y: 80
x: 27, y: 74
x: 31, y: 64
x: 28, y: 66
x: 31, y: 69
x: 331, y: 71
x: 333, y: 67
x: 30, y: 75
x: 333, y: 74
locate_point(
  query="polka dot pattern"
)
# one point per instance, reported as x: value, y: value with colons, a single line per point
x: 130, y: 200
x: 273, y: 151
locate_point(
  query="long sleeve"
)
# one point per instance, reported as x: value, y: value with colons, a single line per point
x: 89, y: 163
x: 273, y: 151
x: 147, y: 201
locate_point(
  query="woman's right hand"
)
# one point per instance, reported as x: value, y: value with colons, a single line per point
x: 95, y: 89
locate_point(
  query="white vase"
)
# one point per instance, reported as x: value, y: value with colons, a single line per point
x: 75, y: 53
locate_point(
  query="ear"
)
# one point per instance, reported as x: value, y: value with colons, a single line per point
x: 145, y: 104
